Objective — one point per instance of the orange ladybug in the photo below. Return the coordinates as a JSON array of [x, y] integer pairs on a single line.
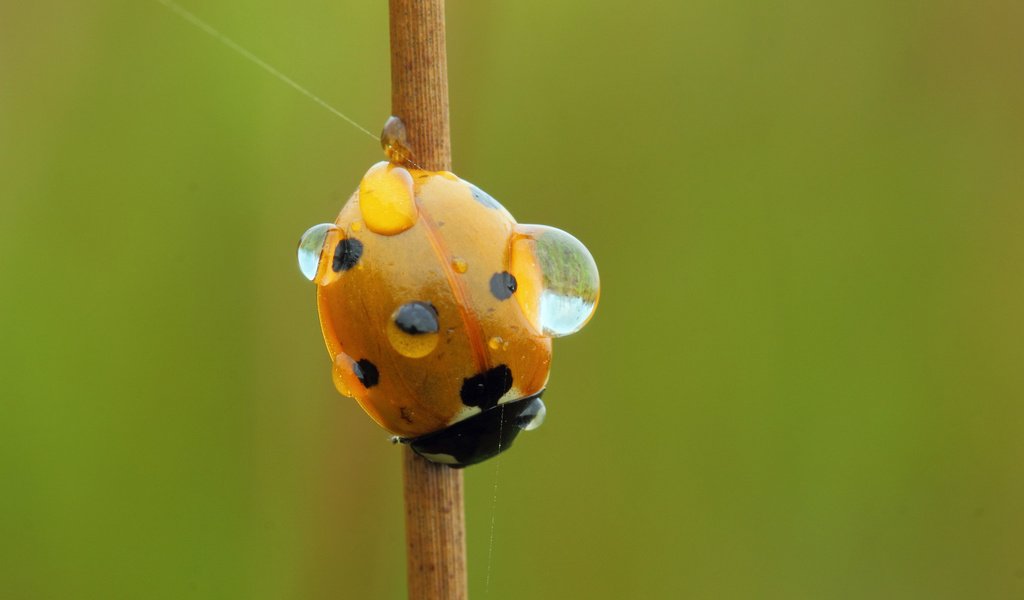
[[438, 309]]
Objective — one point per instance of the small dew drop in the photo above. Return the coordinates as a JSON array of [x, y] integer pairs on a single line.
[[413, 329], [496, 343], [394, 139], [413, 346], [537, 420], [459, 265], [311, 246], [341, 373]]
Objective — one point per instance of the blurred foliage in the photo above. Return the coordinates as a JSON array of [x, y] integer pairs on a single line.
[[804, 379]]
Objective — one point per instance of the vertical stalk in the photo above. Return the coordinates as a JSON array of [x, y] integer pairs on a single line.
[[434, 517], [419, 79]]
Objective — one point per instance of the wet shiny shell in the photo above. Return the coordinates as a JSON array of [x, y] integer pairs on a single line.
[[445, 257]]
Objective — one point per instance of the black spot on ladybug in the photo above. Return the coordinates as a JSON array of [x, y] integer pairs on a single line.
[[503, 285], [367, 373], [417, 317], [347, 254], [485, 389], [484, 198]]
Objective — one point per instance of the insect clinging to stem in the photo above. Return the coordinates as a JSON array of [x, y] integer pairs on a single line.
[[438, 308]]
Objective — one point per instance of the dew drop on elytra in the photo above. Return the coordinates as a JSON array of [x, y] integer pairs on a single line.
[[413, 329], [387, 199], [342, 375], [558, 283], [311, 246]]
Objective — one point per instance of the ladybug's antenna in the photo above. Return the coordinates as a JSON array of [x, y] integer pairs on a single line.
[[230, 43]]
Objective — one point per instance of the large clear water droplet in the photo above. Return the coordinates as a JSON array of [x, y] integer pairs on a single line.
[[386, 199], [558, 283], [311, 246]]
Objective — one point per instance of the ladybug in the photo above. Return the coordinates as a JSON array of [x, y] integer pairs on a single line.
[[438, 309]]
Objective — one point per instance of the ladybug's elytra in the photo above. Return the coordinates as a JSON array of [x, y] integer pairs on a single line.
[[438, 309]]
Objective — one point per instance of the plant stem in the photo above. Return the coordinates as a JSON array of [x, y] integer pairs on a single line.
[[419, 79], [434, 519]]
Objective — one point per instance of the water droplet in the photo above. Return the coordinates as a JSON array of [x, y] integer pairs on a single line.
[[413, 329], [558, 283], [311, 247], [496, 342], [395, 140], [343, 375], [459, 265], [386, 199], [537, 420]]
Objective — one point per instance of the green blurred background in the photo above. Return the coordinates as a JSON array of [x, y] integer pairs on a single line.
[[804, 379]]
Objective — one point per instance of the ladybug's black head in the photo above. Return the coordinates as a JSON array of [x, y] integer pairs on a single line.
[[481, 436]]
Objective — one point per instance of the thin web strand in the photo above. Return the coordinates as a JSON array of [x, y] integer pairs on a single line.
[[494, 504], [214, 33]]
